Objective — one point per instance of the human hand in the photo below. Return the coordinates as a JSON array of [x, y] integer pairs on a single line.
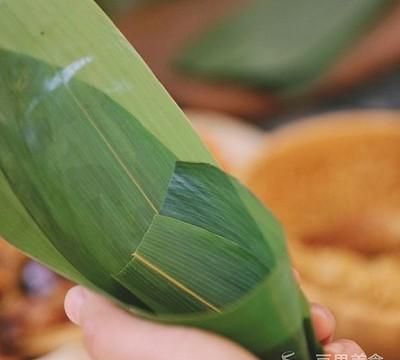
[[111, 333]]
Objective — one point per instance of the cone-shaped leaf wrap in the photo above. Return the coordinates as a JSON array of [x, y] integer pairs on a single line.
[[103, 180]]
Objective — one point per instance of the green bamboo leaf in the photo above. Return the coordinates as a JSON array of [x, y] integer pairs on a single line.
[[19, 225], [280, 44], [95, 41], [201, 205], [103, 179], [44, 150], [198, 277], [202, 195]]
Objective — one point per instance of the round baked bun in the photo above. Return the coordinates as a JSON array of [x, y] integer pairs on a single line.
[[231, 141]]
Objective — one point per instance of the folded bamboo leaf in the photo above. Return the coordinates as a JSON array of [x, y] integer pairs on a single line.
[[191, 284], [202, 195], [103, 180], [280, 44], [201, 205]]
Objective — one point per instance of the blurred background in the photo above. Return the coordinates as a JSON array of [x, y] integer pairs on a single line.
[[299, 100]]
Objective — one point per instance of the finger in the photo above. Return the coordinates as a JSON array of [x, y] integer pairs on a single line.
[[296, 275], [344, 347], [111, 333], [323, 320], [324, 323]]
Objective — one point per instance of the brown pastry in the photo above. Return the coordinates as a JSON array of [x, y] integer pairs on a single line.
[[334, 182], [231, 141]]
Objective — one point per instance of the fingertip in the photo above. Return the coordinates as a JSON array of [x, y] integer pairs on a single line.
[[324, 322], [73, 303], [344, 347], [296, 275]]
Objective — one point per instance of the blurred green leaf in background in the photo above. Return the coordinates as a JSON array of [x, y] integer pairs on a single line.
[[282, 45]]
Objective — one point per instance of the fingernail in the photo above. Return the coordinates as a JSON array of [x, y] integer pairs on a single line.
[[335, 348], [324, 312], [324, 323], [73, 303]]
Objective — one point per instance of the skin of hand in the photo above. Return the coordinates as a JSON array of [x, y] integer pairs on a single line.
[[111, 333]]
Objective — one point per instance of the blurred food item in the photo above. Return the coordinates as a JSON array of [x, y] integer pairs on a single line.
[[334, 182], [53, 338], [159, 31], [370, 234], [231, 141], [363, 293], [10, 263], [32, 319], [73, 351]]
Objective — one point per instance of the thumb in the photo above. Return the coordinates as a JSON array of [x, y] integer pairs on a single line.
[[111, 333], [104, 326]]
